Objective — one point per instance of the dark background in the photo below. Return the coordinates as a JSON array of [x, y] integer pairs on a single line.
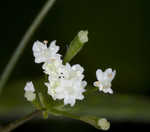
[[118, 38]]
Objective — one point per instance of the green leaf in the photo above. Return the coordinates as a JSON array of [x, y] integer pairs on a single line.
[[116, 107], [76, 45]]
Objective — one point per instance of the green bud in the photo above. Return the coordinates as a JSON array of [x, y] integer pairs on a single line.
[[103, 124], [99, 123], [76, 45]]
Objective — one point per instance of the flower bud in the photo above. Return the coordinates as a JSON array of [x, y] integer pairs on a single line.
[[103, 124], [83, 36], [76, 45]]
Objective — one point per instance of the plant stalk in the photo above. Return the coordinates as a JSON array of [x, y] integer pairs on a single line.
[[19, 122], [23, 43]]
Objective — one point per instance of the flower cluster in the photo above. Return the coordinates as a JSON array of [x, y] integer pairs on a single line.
[[65, 82]]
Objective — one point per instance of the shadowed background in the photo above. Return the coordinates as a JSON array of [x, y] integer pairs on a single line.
[[118, 38]]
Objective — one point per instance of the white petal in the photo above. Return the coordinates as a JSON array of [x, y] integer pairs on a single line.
[[68, 66], [77, 67], [29, 87], [38, 46], [96, 84], [110, 91], [113, 74], [30, 96], [69, 100], [38, 51], [99, 74], [101, 88], [53, 48], [53, 44], [83, 84], [81, 97], [109, 74], [108, 71]]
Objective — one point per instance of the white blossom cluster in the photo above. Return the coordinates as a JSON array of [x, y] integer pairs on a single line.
[[65, 82]]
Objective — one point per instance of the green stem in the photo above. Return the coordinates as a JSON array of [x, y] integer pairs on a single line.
[[87, 119], [19, 122], [17, 54], [66, 114], [91, 90]]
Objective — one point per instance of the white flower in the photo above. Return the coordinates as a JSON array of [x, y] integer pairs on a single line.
[[29, 91], [42, 53], [69, 90], [53, 67], [103, 124], [65, 81], [67, 84], [104, 80], [71, 72]]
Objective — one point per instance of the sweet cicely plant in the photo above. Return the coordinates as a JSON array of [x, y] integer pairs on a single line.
[[65, 84]]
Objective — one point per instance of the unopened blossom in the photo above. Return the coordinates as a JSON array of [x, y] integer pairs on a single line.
[[103, 124], [29, 91], [68, 85], [104, 80], [83, 36], [43, 53]]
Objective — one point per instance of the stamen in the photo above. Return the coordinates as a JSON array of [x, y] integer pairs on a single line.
[[45, 41]]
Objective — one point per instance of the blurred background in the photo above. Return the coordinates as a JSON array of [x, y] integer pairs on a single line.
[[118, 38]]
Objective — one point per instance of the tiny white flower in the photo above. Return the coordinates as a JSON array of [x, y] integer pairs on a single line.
[[104, 80], [72, 72], [67, 84], [29, 91], [42, 53], [52, 85], [53, 67], [103, 124], [69, 90]]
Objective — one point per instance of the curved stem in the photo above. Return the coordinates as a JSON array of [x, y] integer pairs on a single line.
[[19, 122], [16, 55]]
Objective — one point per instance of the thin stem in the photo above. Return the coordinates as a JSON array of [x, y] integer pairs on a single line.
[[19, 50], [91, 89], [19, 122]]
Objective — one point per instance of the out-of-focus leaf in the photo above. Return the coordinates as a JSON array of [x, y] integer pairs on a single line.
[[115, 107]]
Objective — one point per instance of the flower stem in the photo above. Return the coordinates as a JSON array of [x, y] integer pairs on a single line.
[[19, 122], [24, 41], [90, 90]]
